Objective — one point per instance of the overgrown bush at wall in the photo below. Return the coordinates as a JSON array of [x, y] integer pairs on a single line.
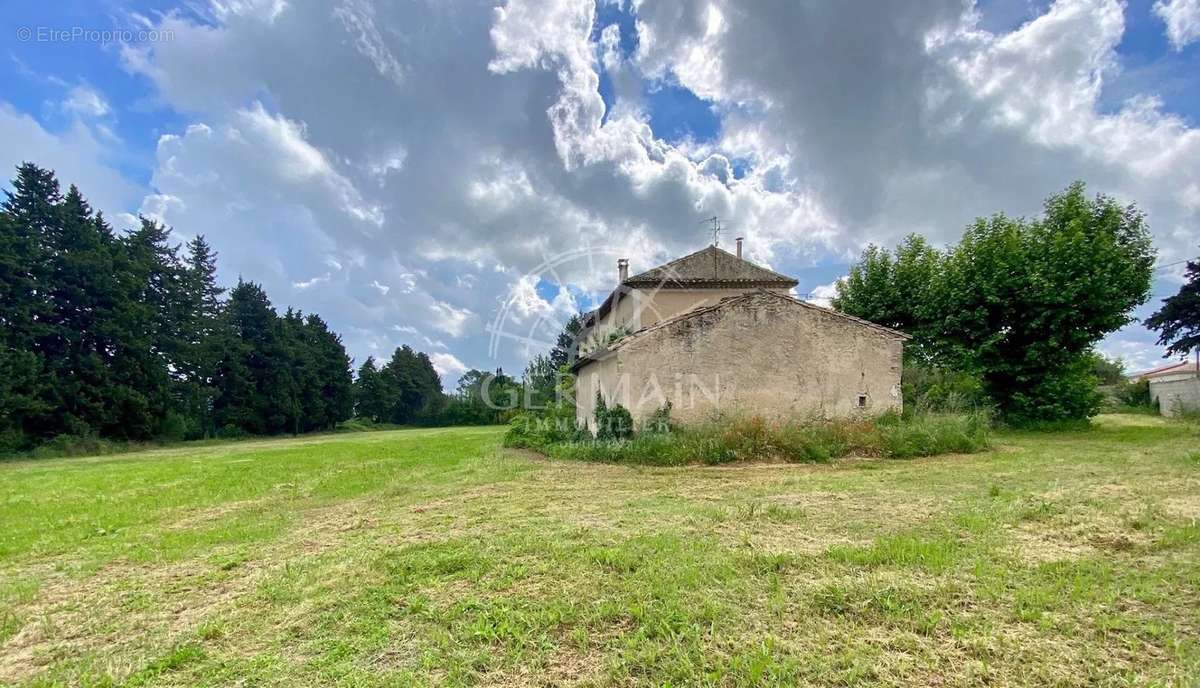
[[753, 438]]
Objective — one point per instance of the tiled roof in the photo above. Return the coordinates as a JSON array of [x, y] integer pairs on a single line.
[[1169, 369], [709, 266]]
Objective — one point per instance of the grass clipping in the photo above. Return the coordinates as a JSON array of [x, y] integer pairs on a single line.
[[754, 438]]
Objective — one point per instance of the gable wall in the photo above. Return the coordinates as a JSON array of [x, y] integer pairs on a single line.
[[763, 355], [665, 304], [1175, 393], [634, 309]]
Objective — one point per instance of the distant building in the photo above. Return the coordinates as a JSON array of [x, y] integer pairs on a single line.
[[1174, 387], [712, 332]]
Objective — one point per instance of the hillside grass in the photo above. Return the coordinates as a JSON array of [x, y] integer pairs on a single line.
[[436, 557]]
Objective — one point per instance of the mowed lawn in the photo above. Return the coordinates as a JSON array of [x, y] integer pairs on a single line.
[[435, 557]]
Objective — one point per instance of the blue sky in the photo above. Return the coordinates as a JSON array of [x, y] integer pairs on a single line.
[[408, 171]]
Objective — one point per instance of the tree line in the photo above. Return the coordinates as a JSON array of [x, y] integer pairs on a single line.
[[487, 397], [1017, 304], [127, 336]]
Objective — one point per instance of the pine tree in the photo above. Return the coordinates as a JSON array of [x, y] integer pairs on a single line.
[[370, 397], [81, 294], [333, 374], [1178, 320], [308, 403], [566, 346], [29, 211], [256, 392], [125, 338], [200, 330], [412, 388], [146, 364]]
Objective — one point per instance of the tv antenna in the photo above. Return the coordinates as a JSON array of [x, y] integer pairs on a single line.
[[715, 228]]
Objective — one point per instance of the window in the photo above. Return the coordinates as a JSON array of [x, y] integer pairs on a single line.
[[862, 401]]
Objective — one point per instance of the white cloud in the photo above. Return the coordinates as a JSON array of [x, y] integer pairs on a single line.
[[86, 101], [1182, 18], [425, 143], [158, 206], [450, 319], [75, 154], [1137, 355], [823, 293], [526, 301], [309, 283], [447, 366]]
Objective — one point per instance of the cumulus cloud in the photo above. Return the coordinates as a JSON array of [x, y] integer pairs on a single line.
[[432, 163], [823, 294], [450, 319], [77, 154], [447, 366], [1182, 18]]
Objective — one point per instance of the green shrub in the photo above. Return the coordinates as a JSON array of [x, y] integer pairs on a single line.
[[76, 445], [177, 427], [926, 435], [753, 438], [232, 432], [1062, 395], [612, 422], [1135, 393], [13, 441], [941, 390], [659, 421]]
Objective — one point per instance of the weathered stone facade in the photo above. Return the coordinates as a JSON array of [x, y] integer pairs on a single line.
[[759, 352]]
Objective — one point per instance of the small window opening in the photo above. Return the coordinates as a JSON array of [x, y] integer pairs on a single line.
[[862, 401]]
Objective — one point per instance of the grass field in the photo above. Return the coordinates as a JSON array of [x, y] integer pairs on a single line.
[[434, 557]]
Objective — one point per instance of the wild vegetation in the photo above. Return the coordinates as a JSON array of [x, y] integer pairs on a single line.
[[434, 557], [737, 437], [754, 438], [1017, 303]]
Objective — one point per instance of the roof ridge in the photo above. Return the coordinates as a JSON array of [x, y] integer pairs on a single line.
[[668, 273]]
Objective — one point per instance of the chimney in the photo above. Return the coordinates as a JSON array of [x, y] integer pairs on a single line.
[[622, 269], [739, 247]]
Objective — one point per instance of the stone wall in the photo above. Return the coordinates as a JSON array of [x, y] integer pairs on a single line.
[[761, 354], [634, 309], [664, 304], [1176, 393]]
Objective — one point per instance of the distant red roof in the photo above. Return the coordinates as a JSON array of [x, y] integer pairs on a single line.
[[1169, 369]]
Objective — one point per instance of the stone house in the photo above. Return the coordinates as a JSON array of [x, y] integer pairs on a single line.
[[714, 333], [1174, 387]]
